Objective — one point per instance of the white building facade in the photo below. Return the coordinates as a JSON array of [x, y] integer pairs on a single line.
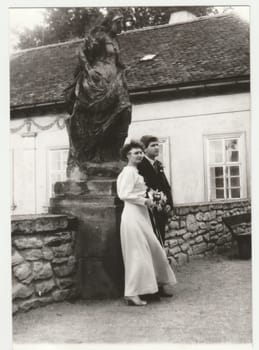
[[205, 148]]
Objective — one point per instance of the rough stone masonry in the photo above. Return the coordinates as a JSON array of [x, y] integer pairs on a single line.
[[198, 230], [44, 267]]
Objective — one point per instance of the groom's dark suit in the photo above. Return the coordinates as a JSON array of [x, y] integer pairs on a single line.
[[155, 178]]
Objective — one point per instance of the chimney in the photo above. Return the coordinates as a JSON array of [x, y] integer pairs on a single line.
[[181, 16]]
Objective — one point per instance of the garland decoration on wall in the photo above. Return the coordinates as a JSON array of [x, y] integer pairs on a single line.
[[60, 121], [15, 130]]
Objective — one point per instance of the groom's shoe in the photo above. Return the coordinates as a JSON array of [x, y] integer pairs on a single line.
[[151, 297], [164, 294]]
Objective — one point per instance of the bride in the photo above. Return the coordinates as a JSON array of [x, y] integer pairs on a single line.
[[145, 261]]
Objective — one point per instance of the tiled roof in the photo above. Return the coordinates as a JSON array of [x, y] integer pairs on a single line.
[[209, 48]]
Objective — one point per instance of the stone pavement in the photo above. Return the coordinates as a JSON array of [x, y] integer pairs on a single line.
[[212, 304]]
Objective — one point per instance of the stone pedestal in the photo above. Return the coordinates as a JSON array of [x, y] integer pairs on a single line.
[[98, 210]]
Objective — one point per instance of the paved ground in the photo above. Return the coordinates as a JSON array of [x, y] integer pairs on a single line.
[[212, 303]]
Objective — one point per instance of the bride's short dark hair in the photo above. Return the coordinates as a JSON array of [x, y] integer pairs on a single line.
[[128, 147]]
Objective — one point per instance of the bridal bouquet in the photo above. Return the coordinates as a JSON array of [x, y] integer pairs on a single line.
[[158, 198]]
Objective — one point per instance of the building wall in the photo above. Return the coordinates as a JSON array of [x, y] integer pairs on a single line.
[[185, 125], [182, 125], [30, 153]]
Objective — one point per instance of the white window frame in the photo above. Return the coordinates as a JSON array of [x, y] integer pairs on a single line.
[[241, 136], [20, 144], [165, 157], [48, 168]]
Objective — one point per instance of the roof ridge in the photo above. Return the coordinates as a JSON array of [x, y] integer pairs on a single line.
[[198, 19], [46, 46]]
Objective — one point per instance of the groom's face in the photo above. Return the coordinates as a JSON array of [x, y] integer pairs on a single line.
[[152, 150]]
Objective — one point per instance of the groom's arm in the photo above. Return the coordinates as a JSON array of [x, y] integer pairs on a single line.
[[168, 192], [146, 170], [166, 188]]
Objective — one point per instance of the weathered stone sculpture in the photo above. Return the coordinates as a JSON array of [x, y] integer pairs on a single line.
[[98, 101], [100, 113]]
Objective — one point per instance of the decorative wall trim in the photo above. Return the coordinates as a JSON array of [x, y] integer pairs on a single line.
[[29, 134], [59, 121]]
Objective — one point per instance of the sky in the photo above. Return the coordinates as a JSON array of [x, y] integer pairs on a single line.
[[21, 18]]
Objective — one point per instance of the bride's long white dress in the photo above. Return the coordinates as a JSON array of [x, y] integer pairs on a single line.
[[145, 261]]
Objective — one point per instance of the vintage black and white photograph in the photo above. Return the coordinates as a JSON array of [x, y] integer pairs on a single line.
[[130, 153]]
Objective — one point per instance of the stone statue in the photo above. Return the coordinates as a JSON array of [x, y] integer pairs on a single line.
[[97, 100]]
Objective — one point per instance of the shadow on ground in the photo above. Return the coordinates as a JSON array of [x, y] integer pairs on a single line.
[[212, 304]]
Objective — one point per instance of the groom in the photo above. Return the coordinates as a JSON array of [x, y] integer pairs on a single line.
[[155, 179]]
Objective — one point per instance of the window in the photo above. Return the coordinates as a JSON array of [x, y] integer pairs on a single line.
[[225, 167], [57, 167], [164, 155]]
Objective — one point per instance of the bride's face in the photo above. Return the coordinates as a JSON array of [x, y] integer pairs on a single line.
[[135, 156]]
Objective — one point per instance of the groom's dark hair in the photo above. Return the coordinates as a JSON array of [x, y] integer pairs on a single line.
[[147, 139]]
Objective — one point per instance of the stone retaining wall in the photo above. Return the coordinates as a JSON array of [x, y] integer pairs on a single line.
[[44, 267], [198, 230]]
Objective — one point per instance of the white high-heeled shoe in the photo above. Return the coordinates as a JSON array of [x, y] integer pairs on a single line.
[[135, 301]]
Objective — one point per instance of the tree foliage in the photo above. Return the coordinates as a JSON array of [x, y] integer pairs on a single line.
[[61, 24]]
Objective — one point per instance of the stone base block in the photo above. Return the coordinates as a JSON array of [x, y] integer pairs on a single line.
[[101, 278], [98, 249]]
